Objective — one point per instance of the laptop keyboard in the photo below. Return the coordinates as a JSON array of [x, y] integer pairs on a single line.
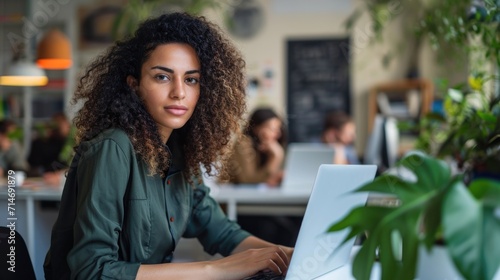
[[265, 276]]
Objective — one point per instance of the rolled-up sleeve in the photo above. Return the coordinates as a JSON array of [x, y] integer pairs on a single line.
[[211, 226], [102, 183]]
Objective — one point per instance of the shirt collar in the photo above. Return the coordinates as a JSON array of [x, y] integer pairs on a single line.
[[175, 149]]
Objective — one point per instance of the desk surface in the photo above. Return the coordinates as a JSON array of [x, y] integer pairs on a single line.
[[35, 188], [257, 194], [225, 193]]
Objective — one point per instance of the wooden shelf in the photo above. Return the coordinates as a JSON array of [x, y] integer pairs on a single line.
[[400, 89]]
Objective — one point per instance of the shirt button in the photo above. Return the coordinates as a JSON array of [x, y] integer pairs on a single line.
[[172, 219]]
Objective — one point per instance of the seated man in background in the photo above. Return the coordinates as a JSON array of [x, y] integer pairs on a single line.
[[51, 153], [339, 131], [11, 153]]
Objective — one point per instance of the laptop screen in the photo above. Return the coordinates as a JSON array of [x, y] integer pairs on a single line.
[[331, 199]]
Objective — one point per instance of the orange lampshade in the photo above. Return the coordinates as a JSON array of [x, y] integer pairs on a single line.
[[54, 51]]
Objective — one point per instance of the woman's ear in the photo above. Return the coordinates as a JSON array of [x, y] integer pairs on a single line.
[[133, 84]]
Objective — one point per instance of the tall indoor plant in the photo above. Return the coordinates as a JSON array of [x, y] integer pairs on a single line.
[[468, 130], [435, 205], [136, 11]]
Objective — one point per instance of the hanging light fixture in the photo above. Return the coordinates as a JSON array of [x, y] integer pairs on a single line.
[[21, 72], [54, 51]]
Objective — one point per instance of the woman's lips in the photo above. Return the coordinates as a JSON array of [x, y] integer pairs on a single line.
[[176, 110]]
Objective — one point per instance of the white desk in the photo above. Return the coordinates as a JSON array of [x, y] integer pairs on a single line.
[[33, 224], [264, 198], [37, 190]]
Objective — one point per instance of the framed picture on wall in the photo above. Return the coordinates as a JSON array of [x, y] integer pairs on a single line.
[[95, 23]]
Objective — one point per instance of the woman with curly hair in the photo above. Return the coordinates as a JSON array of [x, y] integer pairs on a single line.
[[155, 107]]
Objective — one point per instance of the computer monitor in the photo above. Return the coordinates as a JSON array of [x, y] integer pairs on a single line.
[[383, 143]]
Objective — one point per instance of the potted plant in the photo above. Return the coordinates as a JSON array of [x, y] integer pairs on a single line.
[[468, 130], [435, 205]]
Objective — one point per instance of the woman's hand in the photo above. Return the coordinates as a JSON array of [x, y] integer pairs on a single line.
[[248, 258], [275, 179], [249, 262], [272, 148]]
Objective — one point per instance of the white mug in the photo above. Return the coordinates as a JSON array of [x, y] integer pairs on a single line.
[[19, 177]]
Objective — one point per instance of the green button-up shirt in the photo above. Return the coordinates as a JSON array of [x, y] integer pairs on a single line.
[[114, 216]]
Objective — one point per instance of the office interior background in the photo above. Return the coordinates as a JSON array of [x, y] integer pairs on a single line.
[[262, 29], [261, 34]]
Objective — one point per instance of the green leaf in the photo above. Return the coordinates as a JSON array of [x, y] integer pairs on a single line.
[[388, 261], [352, 19], [456, 95], [487, 190], [410, 243], [432, 220], [363, 261], [487, 117], [390, 184], [463, 222], [361, 219], [431, 172]]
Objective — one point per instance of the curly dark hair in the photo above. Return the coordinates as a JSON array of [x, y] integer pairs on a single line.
[[109, 102]]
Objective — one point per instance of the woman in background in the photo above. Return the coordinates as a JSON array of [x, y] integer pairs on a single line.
[[155, 107], [258, 156]]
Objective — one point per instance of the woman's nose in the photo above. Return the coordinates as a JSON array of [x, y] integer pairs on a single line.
[[177, 91]]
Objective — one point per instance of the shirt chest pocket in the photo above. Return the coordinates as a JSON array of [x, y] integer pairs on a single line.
[[146, 233]]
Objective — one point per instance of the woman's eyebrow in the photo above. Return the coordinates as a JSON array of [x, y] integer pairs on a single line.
[[166, 69]]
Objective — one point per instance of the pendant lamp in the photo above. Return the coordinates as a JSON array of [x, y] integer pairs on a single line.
[[54, 51], [23, 73]]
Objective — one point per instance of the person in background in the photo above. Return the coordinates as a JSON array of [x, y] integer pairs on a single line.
[[11, 153], [48, 151], [51, 152], [258, 156], [155, 107], [339, 131]]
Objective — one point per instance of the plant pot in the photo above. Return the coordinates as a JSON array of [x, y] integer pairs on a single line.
[[436, 265]]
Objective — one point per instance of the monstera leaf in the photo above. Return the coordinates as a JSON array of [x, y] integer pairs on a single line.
[[471, 227]]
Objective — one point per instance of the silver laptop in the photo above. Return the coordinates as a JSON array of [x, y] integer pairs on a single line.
[[317, 252], [302, 163]]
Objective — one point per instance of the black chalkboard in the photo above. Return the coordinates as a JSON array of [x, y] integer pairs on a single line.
[[317, 83]]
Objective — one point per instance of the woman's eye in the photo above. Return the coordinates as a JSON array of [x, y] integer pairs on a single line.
[[192, 81], [162, 77]]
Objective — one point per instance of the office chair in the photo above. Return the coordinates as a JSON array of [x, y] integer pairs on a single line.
[[20, 262]]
